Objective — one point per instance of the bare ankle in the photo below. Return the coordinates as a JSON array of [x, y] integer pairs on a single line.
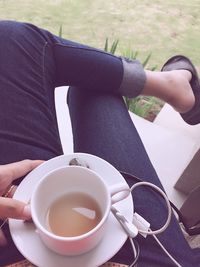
[[172, 87], [181, 96]]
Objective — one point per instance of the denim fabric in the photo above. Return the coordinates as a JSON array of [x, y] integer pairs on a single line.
[[102, 126], [134, 78], [32, 63]]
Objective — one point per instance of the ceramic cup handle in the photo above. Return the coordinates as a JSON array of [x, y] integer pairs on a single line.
[[119, 192]]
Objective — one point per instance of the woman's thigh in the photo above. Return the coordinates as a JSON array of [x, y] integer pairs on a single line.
[[102, 126], [28, 127]]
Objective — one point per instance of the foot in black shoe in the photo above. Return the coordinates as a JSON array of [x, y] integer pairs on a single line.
[[179, 62]]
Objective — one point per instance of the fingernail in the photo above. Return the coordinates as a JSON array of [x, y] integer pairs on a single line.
[[27, 212]]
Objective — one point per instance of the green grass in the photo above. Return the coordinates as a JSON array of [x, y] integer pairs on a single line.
[[162, 27]]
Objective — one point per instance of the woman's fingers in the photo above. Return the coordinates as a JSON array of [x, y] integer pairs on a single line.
[[12, 171], [18, 169], [12, 208]]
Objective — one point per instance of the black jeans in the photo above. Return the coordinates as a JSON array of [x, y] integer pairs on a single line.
[[32, 63]]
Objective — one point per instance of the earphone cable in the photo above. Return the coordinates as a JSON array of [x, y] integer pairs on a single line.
[[155, 188]]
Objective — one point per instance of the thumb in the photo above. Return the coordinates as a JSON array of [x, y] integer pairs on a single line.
[[12, 208]]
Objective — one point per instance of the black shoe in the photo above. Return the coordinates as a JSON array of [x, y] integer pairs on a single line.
[[181, 62]]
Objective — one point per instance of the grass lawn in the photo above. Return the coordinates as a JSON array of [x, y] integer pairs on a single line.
[[163, 28]]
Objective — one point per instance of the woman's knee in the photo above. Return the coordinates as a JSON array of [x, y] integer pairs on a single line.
[[11, 29], [19, 33]]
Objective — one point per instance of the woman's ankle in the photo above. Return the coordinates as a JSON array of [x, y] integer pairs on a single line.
[[172, 87], [178, 83]]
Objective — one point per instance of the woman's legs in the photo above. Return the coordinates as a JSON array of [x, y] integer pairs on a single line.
[[33, 62], [100, 71], [101, 126], [86, 67]]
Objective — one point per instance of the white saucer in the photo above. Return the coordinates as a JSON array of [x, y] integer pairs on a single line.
[[27, 240]]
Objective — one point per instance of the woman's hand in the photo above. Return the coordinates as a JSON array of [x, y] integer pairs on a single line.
[[13, 171], [11, 208]]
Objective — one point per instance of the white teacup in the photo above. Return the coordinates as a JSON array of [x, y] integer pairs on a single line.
[[63, 182]]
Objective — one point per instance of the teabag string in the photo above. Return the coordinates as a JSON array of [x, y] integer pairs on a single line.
[[139, 225]]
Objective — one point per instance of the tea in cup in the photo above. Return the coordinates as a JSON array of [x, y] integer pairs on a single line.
[[70, 207]]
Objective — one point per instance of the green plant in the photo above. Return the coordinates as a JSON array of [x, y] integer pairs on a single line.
[[145, 106], [60, 33], [113, 47]]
